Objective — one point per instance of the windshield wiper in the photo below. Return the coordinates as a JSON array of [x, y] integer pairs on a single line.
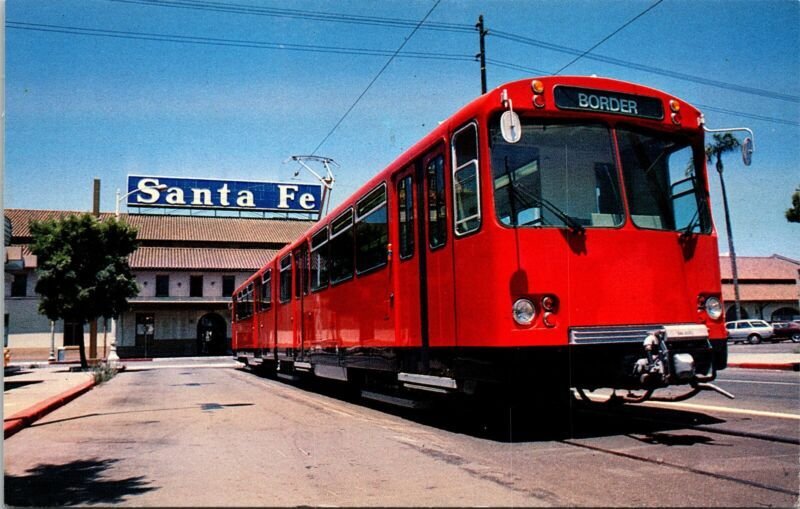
[[568, 220], [688, 232]]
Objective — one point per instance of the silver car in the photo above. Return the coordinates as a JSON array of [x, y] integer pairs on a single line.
[[749, 331]]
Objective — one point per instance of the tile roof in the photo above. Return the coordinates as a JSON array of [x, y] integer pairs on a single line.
[[186, 258], [182, 228], [760, 267]]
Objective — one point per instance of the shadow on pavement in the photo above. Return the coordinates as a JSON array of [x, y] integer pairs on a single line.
[[75, 483], [13, 384]]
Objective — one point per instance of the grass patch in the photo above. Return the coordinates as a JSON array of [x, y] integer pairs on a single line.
[[103, 372]]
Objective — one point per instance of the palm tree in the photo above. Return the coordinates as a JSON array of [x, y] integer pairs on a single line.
[[722, 144]]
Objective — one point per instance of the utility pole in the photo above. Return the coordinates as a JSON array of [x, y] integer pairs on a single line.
[[482, 55], [93, 323]]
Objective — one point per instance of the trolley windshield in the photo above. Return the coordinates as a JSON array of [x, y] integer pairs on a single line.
[[566, 175]]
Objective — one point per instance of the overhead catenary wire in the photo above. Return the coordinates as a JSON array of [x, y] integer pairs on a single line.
[[214, 41], [609, 36], [235, 8], [736, 87], [81, 31], [385, 66], [463, 28]]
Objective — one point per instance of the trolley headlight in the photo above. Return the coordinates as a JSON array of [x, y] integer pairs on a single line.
[[713, 308], [523, 311]]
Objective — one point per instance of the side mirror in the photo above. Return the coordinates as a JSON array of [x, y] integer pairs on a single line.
[[747, 151], [510, 127]]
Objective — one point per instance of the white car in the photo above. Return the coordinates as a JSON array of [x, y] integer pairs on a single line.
[[749, 331]]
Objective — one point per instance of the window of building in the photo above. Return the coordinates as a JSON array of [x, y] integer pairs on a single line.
[[162, 285], [372, 230], [73, 333], [195, 286], [320, 252], [228, 285], [405, 205], [286, 279], [266, 290], [437, 208], [19, 287], [341, 245], [466, 194]]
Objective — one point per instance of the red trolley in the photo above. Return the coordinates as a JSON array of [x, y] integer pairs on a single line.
[[554, 233]]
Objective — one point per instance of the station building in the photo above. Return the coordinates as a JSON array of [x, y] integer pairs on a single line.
[[769, 287], [186, 267]]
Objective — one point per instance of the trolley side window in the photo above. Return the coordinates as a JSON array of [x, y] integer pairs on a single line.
[[341, 246], [437, 208], [372, 230], [405, 206], [320, 254], [266, 290], [466, 193], [285, 279], [301, 273]]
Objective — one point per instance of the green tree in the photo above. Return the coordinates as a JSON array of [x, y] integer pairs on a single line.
[[793, 212], [82, 268], [724, 143]]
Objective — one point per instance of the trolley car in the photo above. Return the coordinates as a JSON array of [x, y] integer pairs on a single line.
[[554, 233]]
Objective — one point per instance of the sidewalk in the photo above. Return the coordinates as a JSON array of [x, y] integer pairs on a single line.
[[30, 394], [782, 361]]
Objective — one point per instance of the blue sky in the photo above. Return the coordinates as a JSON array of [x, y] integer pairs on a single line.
[[80, 107]]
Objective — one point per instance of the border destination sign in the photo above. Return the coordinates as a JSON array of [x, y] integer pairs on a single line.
[[195, 193]]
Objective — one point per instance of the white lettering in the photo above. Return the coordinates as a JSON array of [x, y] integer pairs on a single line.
[[583, 100], [175, 196], [285, 195], [201, 197], [604, 103], [223, 195], [632, 107], [147, 187], [613, 104], [594, 102], [307, 201], [245, 199]]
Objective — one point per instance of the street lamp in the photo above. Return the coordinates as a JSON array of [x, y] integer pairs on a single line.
[[113, 358]]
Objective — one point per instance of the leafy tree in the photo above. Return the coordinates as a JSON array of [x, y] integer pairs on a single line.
[[83, 268], [723, 143], [793, 212]]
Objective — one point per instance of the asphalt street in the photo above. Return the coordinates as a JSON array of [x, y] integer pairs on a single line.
[[194, 436]]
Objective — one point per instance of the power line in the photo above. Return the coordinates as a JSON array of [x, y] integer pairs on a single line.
[[375, 78], [609, 36], [461, 28], [737, 87], [748, 115], [213, 41], [300, 14]]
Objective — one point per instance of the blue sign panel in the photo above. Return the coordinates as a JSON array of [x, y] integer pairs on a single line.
[[182, 192]]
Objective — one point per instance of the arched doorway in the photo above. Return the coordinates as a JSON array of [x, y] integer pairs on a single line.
[[211, 335], [784, 314], [731, 314]]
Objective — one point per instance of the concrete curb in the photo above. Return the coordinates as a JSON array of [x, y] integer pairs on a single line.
[[25, 418], [782, 366]]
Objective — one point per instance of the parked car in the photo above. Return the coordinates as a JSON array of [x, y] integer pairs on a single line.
[[786, 330], [749, 331]]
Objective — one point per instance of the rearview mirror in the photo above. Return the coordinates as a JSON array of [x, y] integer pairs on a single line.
[[747, 151]]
